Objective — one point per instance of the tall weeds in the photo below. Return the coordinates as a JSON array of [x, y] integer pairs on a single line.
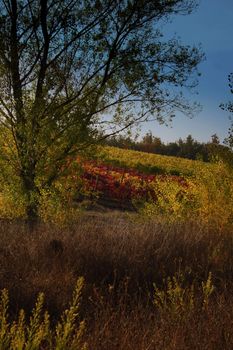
[[129, 301], [37, 333]]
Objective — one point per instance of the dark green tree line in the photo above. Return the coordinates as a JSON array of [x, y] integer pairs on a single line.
[[190, 148]]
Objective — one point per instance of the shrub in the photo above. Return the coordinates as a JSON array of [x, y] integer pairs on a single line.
[[214, 196], [175, 200], [207, 197], [38, 333], [179, 300]]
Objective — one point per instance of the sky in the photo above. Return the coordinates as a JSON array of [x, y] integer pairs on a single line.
[[211, 25]]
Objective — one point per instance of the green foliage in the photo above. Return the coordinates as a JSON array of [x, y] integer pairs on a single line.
[[68, 336], [65, 83], [178, 299], [188, 148], [214, 196], [207, 198], [12, 197], [38, 328], [38, 333], [207, 289], [174, 298], [174, 201], [57, 208]]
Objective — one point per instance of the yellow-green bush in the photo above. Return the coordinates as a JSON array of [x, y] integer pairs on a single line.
[[208, 198], [12, 201], [175, 201], [214, 196], [178, 299], [55, 204], [56, 208], [38, 333]]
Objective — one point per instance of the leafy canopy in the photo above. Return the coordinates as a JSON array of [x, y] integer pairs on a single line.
[[72, 72]]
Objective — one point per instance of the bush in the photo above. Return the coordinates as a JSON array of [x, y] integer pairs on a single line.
[[38, 333], [207, 197]]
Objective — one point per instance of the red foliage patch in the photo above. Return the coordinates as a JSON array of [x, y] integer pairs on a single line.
[[121, 185]]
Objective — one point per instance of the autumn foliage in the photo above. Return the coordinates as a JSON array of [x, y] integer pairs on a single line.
[[124, 186]]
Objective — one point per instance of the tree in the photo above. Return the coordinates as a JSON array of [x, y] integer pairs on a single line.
[[215, 139], [72, 71], [229, 108], [150, 144]]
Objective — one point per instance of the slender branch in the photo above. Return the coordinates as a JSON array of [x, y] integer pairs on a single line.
[[14, 53], [82, 32], [43, 65]]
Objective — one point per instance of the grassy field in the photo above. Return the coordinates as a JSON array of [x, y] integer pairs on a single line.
[[158, 278], [122, 261], [153, 163]]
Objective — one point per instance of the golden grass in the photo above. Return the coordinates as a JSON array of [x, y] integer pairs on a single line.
[[122, 258], [153, 163]]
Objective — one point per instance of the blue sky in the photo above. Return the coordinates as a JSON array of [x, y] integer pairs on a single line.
[[212, 26]]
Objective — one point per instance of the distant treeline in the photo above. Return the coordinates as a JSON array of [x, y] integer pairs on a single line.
[[185, 148]]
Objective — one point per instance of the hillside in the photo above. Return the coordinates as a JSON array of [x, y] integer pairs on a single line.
[[158, 278], [155, 185], [152, 163]]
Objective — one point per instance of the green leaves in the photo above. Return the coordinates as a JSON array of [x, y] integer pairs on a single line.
[[69, 67]]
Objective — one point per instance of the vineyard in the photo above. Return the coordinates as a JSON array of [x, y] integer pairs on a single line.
[[122, 187], [149, 184], [154, 185], [152, 163], [125, 179]]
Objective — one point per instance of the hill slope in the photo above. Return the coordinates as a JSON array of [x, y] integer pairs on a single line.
[[152, 163]]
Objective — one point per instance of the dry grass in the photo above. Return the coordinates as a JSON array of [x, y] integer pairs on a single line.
[[142, 329], [120, 258]]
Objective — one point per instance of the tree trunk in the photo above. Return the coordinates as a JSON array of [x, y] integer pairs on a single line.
[[32, 195]]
